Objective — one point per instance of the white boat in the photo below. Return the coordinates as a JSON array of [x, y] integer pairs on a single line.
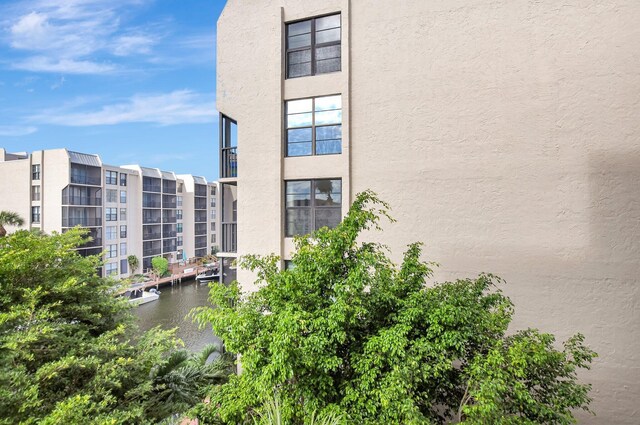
[[137, 295], [211, 274]]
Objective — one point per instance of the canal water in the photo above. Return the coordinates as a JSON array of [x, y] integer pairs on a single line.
[[170, 312]]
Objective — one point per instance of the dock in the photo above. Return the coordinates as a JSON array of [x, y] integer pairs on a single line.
[[178, 274]]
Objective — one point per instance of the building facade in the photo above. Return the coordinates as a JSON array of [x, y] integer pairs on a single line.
[[504, 135], [129, 210]]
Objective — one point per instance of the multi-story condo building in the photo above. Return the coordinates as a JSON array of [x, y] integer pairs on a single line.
[[128, 210], [504, 135]]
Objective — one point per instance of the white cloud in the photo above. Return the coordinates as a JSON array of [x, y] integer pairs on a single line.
[[66, 66], [16, 131], [132, 44], [177, 107]]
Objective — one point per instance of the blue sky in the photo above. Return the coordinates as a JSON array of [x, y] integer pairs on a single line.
[[130, 80]]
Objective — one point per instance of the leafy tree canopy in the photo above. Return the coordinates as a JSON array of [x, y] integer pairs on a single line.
[[69, 351], [160, 266], [348, 332]]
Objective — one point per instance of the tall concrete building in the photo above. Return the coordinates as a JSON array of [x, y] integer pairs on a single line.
[[505, 135], [128, 210]]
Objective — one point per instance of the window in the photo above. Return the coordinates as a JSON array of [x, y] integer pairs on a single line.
[[179, 227], [123, 179], [112, 251], [123, 231], [111, 233], [312, 204], [178, 201], [288, 265], [111, 214], [213, 191], [124, 266], [35, 172], [111, 269], [213, 238], [111, 177], [179, 243], [178, 214], [313, 46], [35, 193], [123, 249], [123, 196], [35, 214], [112, 195], [314, 126], [213, 214], [213, 227], [123, 214]]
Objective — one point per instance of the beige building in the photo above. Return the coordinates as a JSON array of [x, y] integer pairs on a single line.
[[129, 210], [505, 135]]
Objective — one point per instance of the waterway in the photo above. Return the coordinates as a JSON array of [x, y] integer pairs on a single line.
[[170, 312]]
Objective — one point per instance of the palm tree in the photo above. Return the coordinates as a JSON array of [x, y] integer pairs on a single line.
[[183, 379], [11, 219]]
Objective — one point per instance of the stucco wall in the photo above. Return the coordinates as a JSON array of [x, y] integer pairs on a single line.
[[504, 134]]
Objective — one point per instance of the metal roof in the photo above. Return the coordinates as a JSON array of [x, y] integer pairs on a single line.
[[85, 159], [151, 172], [168, 175], [199, 180]]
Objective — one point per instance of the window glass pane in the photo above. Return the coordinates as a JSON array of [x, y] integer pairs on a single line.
[[298, 187], [299, 106], [328, 65], [298, 41], [325, 22], [328, 193], [328, 52], [329, 117], [301, 70], [299, 135], [329, 140], [299, 149], [301, 56], [327, 103], [299, 27], [298, 221], [329, 217], [328, 36], [299, 120], [328, 147]]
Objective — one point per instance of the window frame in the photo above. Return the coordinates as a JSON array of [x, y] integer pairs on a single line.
[[109, 178], [123, 196], [123, 231], [111, 251], [123, 214], [312, 47], [35, 171], [109, 214], [312, 207], [35, 214], [313, 126], [111, 233], [35, 193], [123, 179]]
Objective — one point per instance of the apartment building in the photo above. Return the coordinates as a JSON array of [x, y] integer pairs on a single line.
[[129, 210], [504, 135]]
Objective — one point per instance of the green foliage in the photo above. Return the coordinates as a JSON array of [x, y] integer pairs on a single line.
[[9, 218], [348, 332], [69, 352], [160, 266], [271, 414], [134, 263]]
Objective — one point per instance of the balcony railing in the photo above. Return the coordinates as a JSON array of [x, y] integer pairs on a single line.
[[151, 188], [169, 248], [86, 222], [229, 237], [200, 203], [151, 204], [93, 181], [93, 243], [168, 204], [169, 219], [151, 236], [169, 234], [151, 220], [81, 200], [229, 162], [151, 251]]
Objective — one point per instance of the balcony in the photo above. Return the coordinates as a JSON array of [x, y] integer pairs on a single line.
[[169, 234], [81, 200], [169, 248], [166, 218], [151, 251], [229, 162], [200, 203], [85, 222], [149, 219], [96, 242], [200, 217], [86, 180], [151, 188], [229, 237]]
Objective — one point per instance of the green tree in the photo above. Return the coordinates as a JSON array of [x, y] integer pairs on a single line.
[[11, 219], [134, 263], [160, 266], [69, 351], [346, 331]]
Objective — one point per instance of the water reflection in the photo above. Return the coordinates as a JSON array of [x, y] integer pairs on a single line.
[[171, 309]]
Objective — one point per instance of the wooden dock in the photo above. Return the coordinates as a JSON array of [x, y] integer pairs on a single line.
[[178, 274]]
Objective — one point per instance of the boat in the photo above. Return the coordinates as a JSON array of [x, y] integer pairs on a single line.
[[137, 295], [211, 274]]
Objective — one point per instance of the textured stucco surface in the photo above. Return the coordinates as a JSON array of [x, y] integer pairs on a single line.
[[504, 134]]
